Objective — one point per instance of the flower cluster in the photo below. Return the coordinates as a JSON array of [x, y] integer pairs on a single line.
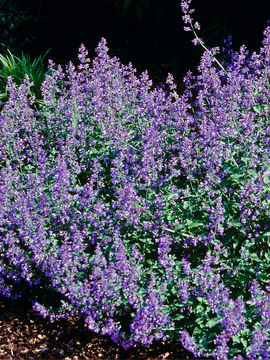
[[138, 210]]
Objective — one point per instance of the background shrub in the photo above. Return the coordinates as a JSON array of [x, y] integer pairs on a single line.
[[11, 65], [12, 17]]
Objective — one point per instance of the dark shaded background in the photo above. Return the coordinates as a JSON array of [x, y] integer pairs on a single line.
[[156, 41]]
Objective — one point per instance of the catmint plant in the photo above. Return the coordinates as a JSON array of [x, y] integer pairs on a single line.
[[139, 210]]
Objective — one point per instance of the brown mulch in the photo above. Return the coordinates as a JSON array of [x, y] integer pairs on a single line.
[[24, 334]]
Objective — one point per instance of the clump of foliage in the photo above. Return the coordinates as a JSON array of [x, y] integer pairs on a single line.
[[142, 212], [11, 65]]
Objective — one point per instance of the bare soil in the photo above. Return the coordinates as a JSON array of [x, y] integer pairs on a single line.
[[24, 334]]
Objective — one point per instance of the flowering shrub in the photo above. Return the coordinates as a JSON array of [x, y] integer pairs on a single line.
[[141, 212]]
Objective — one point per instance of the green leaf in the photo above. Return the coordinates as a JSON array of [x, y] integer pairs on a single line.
[[212, 322], [236, 224], [245, 159], [199, 309], [186, 205], [179, 317], [194, 223], [257, 109], [266, 178], [236, 338], [179, 227], [202, 300], [254, 256], [171, 196], [244, 342]]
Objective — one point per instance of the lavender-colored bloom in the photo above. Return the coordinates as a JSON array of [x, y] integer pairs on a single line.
[[183, 290], [259, 345], [222, 350], [149, 319], [188, 344]]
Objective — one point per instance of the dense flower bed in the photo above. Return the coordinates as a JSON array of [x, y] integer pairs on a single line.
[[142, 213]]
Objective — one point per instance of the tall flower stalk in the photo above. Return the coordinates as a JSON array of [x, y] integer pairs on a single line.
[[187, 18]]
